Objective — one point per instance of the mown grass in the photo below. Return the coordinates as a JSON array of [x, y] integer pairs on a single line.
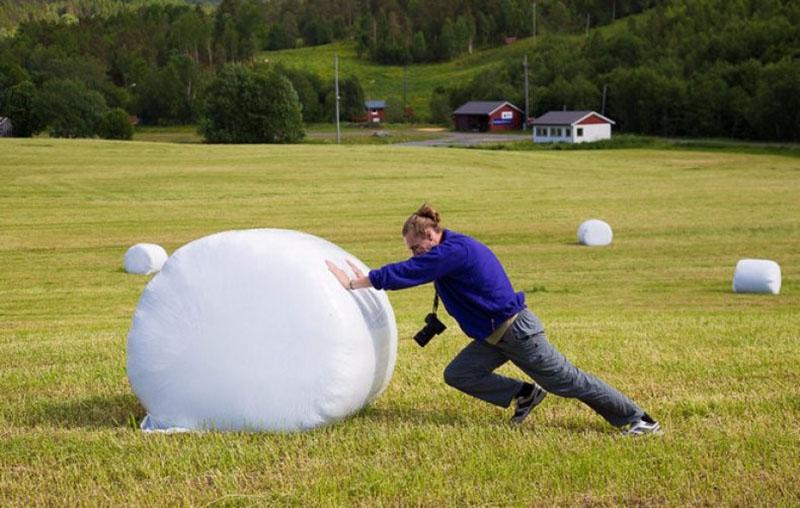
[[653, 314], [630, 141], [321, 133]]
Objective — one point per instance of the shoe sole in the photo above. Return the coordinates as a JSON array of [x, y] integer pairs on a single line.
[[655, 431], [518, 419]]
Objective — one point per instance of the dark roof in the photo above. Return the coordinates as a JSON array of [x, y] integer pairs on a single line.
[[375, 104], [567, 117], [482, 107]]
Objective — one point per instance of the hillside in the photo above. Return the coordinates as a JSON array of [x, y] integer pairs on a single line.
[[14, 12], [386, 81], [687, 68]]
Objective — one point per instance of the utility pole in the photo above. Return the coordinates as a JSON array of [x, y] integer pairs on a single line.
[[605, 89], [525, 123], [613, 10], [534, 20], [405, 88], [336, 80], [587, 25]]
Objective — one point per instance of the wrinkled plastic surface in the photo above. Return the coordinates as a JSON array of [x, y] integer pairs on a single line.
[[757, 276], [145, 258], [248, 330], [594, 233]]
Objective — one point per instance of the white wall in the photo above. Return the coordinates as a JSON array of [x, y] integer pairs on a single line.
[[549, 136], [591, 132]]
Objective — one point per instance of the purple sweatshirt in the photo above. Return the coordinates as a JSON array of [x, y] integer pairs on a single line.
[[470, 280]]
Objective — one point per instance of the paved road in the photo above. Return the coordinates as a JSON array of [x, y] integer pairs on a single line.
[[468, 139]]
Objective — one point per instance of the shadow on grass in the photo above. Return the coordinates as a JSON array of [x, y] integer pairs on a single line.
[[394, 415], [535, 423], [94, 413]]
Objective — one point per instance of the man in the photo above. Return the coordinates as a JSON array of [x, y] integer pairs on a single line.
[[476, 291]]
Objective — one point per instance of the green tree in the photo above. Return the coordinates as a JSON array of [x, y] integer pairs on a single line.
[[419, 48], [20, 108], [69, 109], [446, 44], [776, 105], [309, 90], [245, 106], [352, 99], [439, 103], [115, 125]]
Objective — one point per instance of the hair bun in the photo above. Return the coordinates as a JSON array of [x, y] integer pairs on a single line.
[[427, 211]]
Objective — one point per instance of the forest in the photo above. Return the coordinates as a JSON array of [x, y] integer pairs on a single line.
[[672, 68]]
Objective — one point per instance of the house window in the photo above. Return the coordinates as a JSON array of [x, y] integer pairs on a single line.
[[566, 131], [580, 132]]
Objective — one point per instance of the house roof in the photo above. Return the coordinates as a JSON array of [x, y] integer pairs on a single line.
[[482, 107], [375, 104], [567, 117]]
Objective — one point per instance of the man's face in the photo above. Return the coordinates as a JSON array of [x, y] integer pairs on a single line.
[[419, 245]]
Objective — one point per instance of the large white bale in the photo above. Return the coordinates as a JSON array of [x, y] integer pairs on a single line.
[[145, 258], [248, 330], [757, 276], [595, 232]]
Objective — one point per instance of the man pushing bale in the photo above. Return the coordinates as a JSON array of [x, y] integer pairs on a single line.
[[476, 291]]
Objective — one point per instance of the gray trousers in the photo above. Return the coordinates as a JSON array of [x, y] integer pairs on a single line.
[[527, 347]]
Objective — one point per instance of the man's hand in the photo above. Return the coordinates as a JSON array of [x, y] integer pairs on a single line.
[[341, 276], [360, 281], [356, 270]]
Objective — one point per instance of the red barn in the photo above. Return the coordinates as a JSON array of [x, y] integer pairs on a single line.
[[375, 111], [492, 116]]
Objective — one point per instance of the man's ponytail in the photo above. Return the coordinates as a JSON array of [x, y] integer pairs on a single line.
[[423, 219]]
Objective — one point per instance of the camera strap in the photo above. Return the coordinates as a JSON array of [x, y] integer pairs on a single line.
[[435, 301]]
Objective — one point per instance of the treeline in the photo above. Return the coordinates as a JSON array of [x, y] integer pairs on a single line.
[[409, 31], [685, 68], [159, 63], [400, 32], [14, 12], [690, 68]]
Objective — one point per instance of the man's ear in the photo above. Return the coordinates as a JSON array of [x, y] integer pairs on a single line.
[[429, 234]]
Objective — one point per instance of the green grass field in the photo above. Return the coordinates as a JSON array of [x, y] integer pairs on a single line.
[[320, 133], [653, 314]]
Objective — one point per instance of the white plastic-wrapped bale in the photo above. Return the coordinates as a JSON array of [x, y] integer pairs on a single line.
[[145, 258], [594, 232], [249, 330], [757, 276]]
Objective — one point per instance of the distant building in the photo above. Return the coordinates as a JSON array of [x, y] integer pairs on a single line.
[[6, 129], [571, 127], [491, 116], [376, 111]]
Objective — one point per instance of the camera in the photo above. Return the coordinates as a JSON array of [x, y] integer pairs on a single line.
[[432, 327]]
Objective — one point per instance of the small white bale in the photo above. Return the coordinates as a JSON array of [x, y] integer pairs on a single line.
[[595, 232], [145, 258], [757, 276], [249, 330]]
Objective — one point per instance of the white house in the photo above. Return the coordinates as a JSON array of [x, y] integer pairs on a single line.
[[5, 127], [571, 127]]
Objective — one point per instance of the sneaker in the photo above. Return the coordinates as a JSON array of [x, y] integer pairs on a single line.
[[526, 404], [644, 426]]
